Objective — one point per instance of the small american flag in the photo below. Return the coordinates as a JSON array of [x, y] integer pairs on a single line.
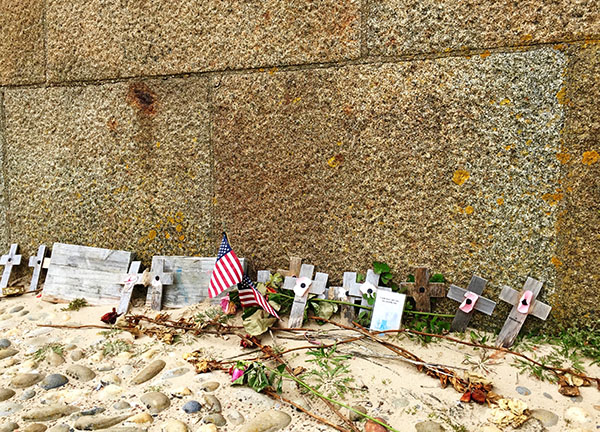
[[228, 270], [250, 296]]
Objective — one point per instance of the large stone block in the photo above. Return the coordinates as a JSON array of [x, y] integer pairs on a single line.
[[450, 162], [3, 200], [103, 39], [578, 255], [401, 27], [21, 41], [122, 165]]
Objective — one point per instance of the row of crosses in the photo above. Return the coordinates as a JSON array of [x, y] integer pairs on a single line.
[[299, 278], [154, 280]]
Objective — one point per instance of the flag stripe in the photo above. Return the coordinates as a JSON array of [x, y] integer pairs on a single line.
[[227, 271]]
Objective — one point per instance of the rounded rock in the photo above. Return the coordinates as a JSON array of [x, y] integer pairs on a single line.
[[155, 401], [216, 419], [149, 372], [35, 427], [7, 352], [76, 354], [371, 426], [212, 403], [53, 381], [212, 428], [54, 359], [191, 407], [523, 391], [354, 416], [210, 386], [121, 405], [26, 380], [235, 417], [9, 408], [141, 418], [93, 411], [27, 394], [16, 309], [6, 394], [4, 343], [548, 418], [175, 373], [175, 426], [81, 373], [271, 420], [9, 427], [60, 428], [427, 426]]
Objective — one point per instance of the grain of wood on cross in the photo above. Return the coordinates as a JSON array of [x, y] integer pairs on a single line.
[[9, 261], [129, 281], [471, 301], [303, 286], [39, 262], [158, 278], [524, 304], [421, 290], [294, 270]]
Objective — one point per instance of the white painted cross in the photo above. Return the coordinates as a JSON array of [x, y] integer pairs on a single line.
[[38, 262], [302, 287], [158, 278], [524, 304], [8, 261], [129, 281], [470, 300]]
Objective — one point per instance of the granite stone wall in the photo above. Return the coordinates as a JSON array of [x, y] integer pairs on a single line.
[[456, 133]]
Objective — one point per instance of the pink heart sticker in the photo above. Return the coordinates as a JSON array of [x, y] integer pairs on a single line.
[[525, 302], [469, 302]]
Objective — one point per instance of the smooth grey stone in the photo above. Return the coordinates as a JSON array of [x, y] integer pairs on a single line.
[[121, 405], [354, 416], [52, 412], [4, 343], [271, 421], [26, 380], [80, 372], [175, 373], [9, 408], [429, 426], [548, 418], [235, 417], [93, 411], [16, 309], [213, 404], [105, 367], [7, 352], [523, 391], [23, 313], [191, 407], [175, 426], [210, 386], [54, 381], [216, 419], [6, 394], [9, 427], [28, 394], [149, 372], [76, 354], [99, 422], [547, 395], [155, 401], [576, 399]]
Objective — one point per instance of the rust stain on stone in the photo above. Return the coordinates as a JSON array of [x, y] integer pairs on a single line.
[[141, 97]]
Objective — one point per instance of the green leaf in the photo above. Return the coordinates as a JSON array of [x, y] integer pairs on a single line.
[[325, 309], [360, 277], [258, 323], [386, 277], [437, 277], [410, 278], [380, 267]]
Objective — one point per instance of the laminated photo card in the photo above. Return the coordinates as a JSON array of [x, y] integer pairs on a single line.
[[387, 311]]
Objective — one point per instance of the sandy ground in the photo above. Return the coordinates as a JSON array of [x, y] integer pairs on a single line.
[[393, 389]]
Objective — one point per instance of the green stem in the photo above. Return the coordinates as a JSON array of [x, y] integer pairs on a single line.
[[429, 313], [315, 392]]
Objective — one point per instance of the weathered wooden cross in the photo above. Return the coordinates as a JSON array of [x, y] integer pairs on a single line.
[[352, 291], [38, 262], [129, 281], [303, 285], [421, 290], [158, 278], [8, 261], [295, 266], [470, 301], [524, 304]]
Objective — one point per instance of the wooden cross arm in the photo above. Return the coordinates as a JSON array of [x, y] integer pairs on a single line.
[[482, 305], [538, 309], [436, 289]]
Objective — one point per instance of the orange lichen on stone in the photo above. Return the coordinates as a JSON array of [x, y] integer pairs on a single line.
[[552, 198], [556, 261], [526, 37], [505, 101], [485, 54], [561, 96], [178, 228], [563, 157], [152, 234], [335, 161], [500, 201], [590, 157], [469, 210], [460, 176]]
